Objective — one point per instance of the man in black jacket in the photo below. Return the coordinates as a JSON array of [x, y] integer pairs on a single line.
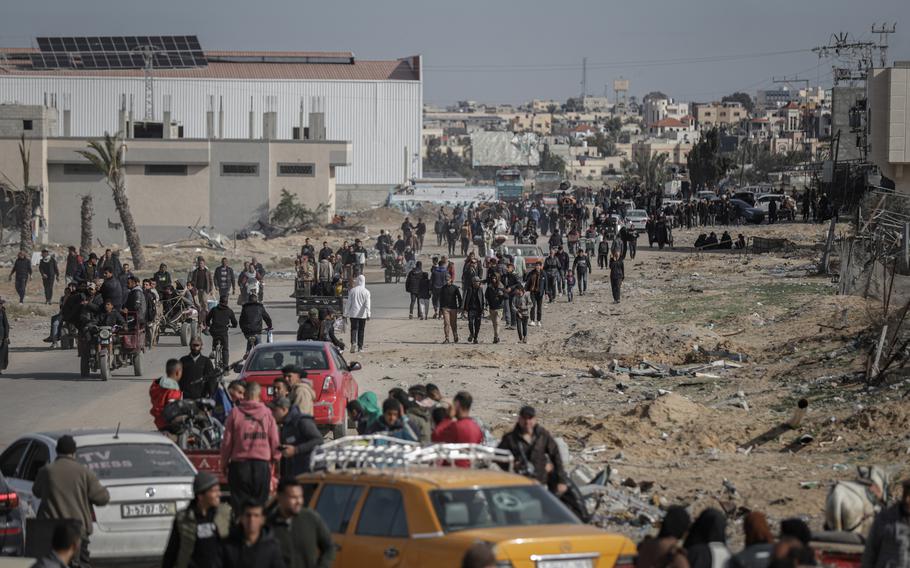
[[417, 284], [509, 282], [496, 297], [50, 274], [22, 270], [250, 545], [218, 320], [72, 264], [162, 278], [551, 268], [536, 453], [304, 538], [111, 289], [473, 306], [298, 435], [311, 328], [252, 316], [224, 280], [199, 379], [450, 303]]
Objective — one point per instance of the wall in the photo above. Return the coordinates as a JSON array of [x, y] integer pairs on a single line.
[[889, 124], [842, 98], [311, 191], [238, 201], [380, 118]]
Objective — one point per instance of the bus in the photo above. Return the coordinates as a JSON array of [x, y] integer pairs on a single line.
[[509, 185]]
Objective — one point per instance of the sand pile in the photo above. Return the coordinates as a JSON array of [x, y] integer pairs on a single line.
[[670, 344]]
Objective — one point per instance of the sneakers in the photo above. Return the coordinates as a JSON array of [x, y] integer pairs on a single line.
[[48, 339], [475, 341], [353, 349]]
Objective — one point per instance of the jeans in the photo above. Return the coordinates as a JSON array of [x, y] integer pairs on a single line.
[[450, 322], [508, 311], [357, 328], [465, 245], [252, 340], [521, 324], [561, 281], [552, 277], [436, 299], [536, 306], [582, 281], [494, 319], [55, 327], [414, 300], [603, 260], [633, 246], [474, 319], [423, 307], [21, 284]]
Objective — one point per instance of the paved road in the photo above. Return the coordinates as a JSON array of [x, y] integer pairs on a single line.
[[42, 389]]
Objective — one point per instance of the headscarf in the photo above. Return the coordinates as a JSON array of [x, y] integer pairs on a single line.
[[710, 526], [676, 522], [755, 528]]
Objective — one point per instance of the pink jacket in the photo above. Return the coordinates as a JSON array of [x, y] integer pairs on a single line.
[[250, 434]]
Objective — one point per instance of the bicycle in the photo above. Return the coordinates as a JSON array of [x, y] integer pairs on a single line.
[[217, 355]]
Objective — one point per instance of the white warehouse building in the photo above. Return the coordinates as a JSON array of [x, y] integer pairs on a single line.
[[374, 105]]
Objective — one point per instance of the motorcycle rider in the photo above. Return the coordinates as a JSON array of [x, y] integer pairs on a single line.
[[328, 329], [219, 319], [109, 317], [252, 315], [199, 378], [111, 289], [311, 328], [165, 390]]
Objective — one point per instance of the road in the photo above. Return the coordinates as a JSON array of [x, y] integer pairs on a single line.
[[42, 389]]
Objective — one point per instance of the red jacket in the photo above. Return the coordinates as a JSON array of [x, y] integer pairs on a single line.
[[160, 396], [250, 434]]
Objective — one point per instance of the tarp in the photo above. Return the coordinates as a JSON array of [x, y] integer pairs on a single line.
[[504, 149]]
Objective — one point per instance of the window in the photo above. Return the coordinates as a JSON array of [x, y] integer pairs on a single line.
[[239, 169], [465, 509], [124, 461], [165, 169], [38, 457], [383, 514], [28, 125], [310, 357], [9, 462], [300, 170], [80, 170], [336, 505]]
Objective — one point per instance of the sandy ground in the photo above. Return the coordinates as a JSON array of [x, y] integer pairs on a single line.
[[676, 437]]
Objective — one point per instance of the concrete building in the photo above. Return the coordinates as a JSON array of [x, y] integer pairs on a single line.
[[722, 115], [842, 100], [774, 98], [538, 123], [889, 123], [374, 104], [657, 106], [172, 184]]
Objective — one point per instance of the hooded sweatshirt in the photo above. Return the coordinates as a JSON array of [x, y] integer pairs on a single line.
[[359, 299], [250, 434], [162, 391]]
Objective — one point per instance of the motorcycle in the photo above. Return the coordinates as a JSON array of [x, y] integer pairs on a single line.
[[193, 423], [394, 269], [107, 348]]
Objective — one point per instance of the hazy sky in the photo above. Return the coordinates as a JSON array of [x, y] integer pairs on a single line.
[[507, 50]]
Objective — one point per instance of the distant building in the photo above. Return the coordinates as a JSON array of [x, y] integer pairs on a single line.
[[172, 184], [773, 98], [721, 115], [657, 106], [889, 124]]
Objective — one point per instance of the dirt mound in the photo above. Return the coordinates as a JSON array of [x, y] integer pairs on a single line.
[[671, 343], [885, 419], [668, 411], [378, 217]]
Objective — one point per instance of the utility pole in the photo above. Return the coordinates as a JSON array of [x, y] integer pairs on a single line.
[[584, 78], [148, 53], [883, 32]]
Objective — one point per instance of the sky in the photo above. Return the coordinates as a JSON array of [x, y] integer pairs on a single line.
[[509, 51]]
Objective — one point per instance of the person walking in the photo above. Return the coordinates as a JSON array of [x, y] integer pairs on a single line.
[[582, 267], [570, 285], [199, 378], [22, 270], [218, 321], [250, 545], [223, 278], [450, 303], [496, 297], [473, 307], [535, 451], [617, 275], [521, 302], [68, 490], [439, 276], [249, 447], [298, 437], [536, 284], [412, 286], [304, 539], [358, 311], [50, 274], [201, 278], [4, 337], [887, 543], [199, 530], [551, 267], [73, 262]]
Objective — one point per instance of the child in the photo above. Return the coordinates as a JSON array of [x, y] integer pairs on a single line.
[[570, 284], [522, 304]]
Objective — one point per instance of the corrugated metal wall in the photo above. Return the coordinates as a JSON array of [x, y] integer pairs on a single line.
[[380, 118]]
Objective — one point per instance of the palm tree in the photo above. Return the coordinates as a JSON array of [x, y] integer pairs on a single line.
[[86, 214], [22, 198], [107, 156]]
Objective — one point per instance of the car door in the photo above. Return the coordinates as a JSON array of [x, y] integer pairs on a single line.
[[380, 536], [38, 456], [11, 462], [336, 503]]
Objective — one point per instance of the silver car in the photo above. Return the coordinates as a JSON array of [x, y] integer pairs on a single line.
[[147, 475]]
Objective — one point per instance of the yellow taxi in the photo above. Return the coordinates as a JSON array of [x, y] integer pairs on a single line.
[[428, 516]]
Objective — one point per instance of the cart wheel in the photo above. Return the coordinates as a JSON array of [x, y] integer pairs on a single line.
[[186, 331], [84, 367], [137, 363], [339, 431], [104, 365]]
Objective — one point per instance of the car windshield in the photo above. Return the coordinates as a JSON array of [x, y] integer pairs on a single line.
[[464, 509], [126, 461], [310, 357], [636, 213], [526, 251]]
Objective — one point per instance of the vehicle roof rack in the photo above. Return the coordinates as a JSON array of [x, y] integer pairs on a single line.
[[380, 451]]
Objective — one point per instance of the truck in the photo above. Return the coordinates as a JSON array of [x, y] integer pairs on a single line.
[[509, 185], [547, 182]]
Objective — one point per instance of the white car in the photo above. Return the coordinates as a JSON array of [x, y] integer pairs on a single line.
[[762, 201], [147, 475], [638, 218]]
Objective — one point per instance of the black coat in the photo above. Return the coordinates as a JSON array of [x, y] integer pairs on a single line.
[[298, 430], [199, 379], [450, 297], [264, 554], [473, 299], [252, 316], [220, 318], [111, 290], [22, 268], [135, 302], [495, 296], [48, 269], [531, 459]]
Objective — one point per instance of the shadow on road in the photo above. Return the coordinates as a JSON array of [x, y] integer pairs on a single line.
[[50, 377]]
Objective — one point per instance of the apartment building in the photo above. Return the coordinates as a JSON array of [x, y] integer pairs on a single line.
[[719, 114], [889, 123]]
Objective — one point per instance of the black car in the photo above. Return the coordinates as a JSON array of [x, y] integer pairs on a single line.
[[747, 212], [12, 537]]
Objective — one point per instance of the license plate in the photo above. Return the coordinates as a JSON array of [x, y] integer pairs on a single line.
[[133, 510], [578, 563]]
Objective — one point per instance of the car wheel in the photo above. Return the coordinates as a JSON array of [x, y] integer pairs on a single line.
[[339, 431]]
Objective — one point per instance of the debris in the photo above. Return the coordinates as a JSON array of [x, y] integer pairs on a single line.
[[596, 372], [808, 484]]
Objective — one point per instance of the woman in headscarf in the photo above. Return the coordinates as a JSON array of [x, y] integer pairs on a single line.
[[247, 281], [358, 311], [706, 545], [759, 543], [665, 550]]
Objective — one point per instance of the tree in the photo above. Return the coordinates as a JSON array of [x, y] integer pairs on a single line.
[[706, 165], [86, 215], [107, 156], [22, 198], [604, 143], [740, 97], [291, 213], [550, 162]]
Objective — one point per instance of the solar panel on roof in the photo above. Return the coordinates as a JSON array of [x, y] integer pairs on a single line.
[[119, 52]]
